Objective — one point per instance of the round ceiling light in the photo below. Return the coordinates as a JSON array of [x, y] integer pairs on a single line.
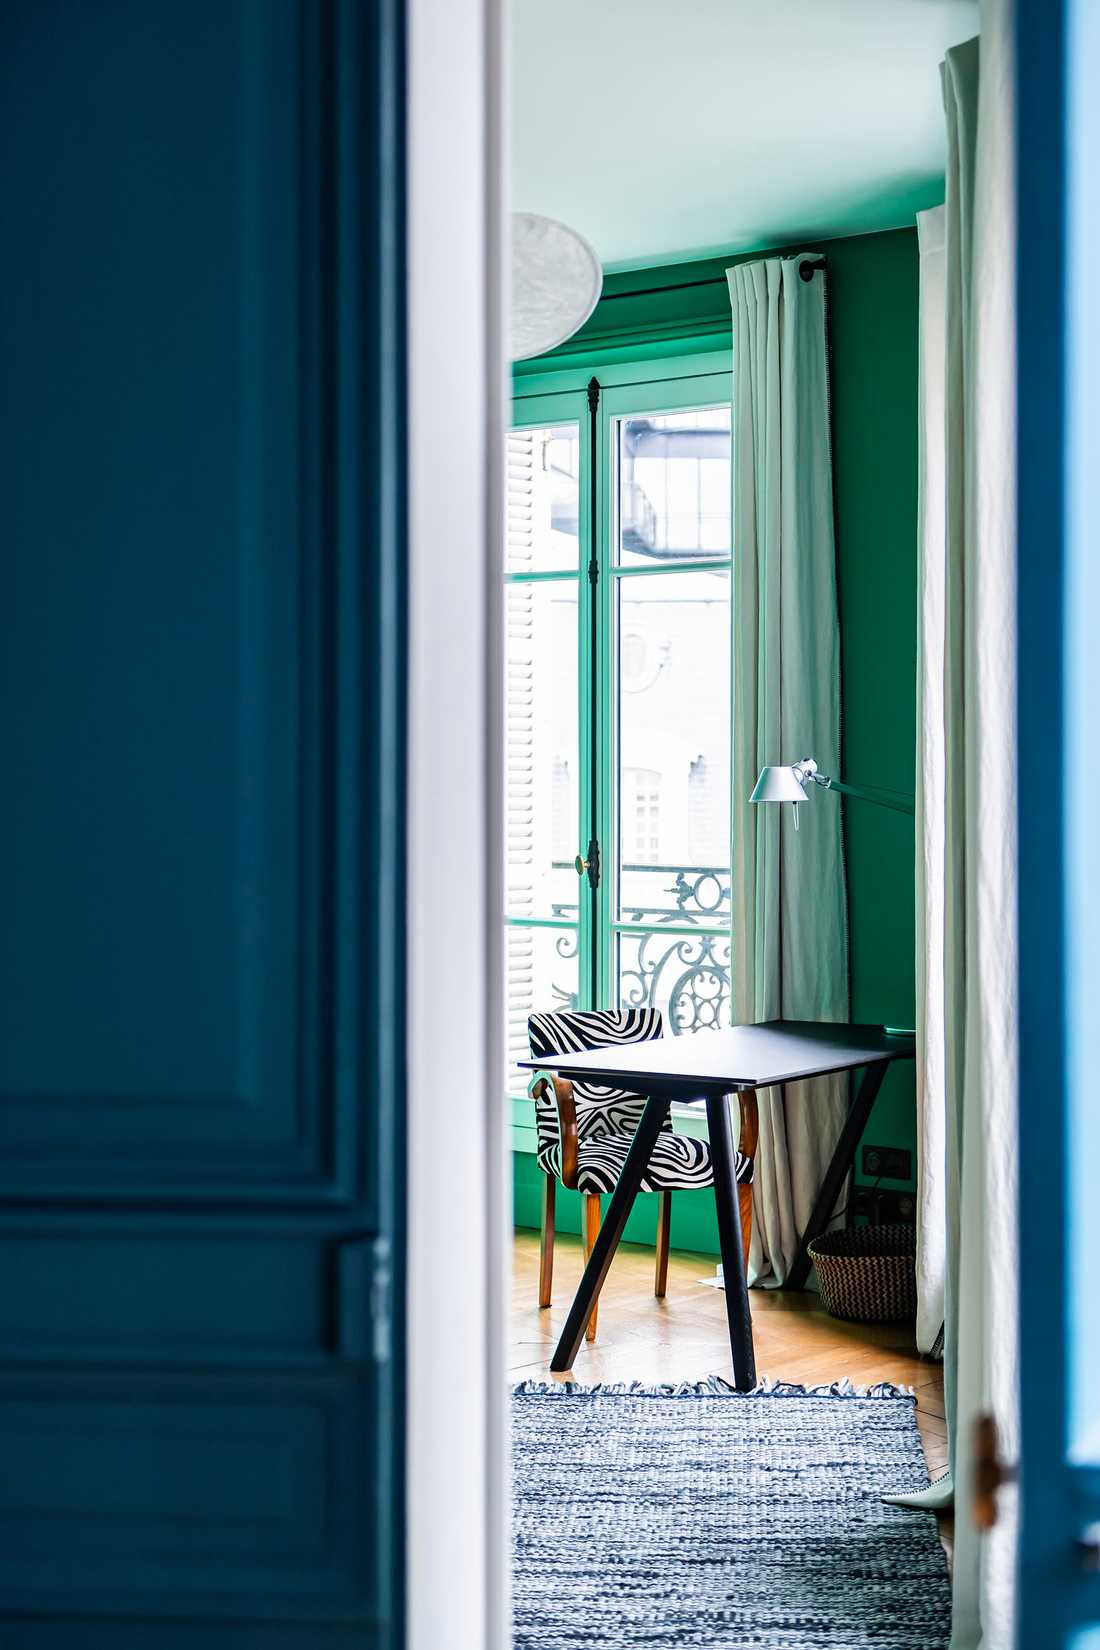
[[556, 282]]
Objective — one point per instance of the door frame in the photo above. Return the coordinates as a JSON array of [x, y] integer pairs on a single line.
[[459, 1198], [457, 1529]]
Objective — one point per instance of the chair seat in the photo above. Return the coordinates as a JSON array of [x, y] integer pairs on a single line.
[[678, 1163]]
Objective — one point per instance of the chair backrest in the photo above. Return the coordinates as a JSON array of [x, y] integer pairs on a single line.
[[600, 1110]]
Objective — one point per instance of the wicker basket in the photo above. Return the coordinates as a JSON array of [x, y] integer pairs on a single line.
[[868, 1273]]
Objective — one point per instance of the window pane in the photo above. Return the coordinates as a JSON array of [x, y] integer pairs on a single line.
[[541, 759], [674, 485], [673, 653], [686, 977], [543, 499], [542, 974]]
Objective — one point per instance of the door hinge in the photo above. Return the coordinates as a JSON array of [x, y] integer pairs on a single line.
[[381, 1300], [989, 1472], [364, 1299]]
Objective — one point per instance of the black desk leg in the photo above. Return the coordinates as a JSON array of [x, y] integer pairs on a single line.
[[837, 1172], [607, 1241], [738, 1318]]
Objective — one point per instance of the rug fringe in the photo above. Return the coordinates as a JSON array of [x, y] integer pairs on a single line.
[[713, 1386]]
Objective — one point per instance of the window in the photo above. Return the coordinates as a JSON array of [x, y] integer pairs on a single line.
[[618, 701]]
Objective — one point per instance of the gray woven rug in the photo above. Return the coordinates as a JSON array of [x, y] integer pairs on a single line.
[[695, 1515]]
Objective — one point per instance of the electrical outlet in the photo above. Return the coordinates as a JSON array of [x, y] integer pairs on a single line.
[[884, 1208], [887, 1162]]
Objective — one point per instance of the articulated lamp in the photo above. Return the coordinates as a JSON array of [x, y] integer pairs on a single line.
[[792, 784]]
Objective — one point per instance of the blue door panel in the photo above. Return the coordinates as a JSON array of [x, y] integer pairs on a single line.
[[215, 1495], [201, 828], [27, 1634], [223, 1293], [172, 937]]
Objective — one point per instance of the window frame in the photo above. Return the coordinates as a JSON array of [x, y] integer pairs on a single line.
[[675, 382]]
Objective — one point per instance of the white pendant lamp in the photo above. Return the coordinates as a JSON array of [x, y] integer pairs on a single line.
[[556, 283]]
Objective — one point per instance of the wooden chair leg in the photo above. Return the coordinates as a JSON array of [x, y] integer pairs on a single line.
[[591, 1232], [664, 1232], [546, 1239], [744, 1200], [746, 1145]]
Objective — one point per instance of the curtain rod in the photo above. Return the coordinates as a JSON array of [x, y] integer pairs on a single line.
[[712, 280]]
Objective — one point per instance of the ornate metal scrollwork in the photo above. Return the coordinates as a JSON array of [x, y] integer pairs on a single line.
[[566, 947], [701, 892], [699, 988], [694, 969]]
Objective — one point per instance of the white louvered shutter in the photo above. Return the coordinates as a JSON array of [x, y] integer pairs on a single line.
[[528, 774]]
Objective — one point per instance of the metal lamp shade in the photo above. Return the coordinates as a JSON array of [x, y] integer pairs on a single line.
[[778, 785], [556, 282]]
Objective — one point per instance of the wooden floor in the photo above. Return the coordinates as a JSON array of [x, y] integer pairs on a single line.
[[683, 1337]]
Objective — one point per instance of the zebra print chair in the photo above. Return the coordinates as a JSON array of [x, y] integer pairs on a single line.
[[584, 1132]]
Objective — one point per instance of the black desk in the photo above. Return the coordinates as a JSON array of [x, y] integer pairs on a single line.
[[710, 1067]]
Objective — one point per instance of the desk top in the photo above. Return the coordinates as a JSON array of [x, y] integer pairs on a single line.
[[742, 1057]]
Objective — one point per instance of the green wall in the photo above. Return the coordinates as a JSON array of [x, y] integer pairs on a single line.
[[693, 1225], [873, 348], [873, 315]]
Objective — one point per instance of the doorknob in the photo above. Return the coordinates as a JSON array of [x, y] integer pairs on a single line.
[[581, 865], [990, 1472]]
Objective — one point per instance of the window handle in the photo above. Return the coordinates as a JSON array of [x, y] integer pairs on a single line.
[[589, 864]]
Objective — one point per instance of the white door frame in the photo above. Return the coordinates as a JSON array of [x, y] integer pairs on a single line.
[[459, 1193]]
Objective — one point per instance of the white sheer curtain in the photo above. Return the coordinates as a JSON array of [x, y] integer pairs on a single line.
[[790, 922], [930, 847], [966, 862]]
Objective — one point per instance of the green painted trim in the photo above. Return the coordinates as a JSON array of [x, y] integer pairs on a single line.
[[632, 346], [552, 576], [540, 406], [693, 1221], [720, 564], [606, 708], [669, 311], [546, 384], [540, 922], [586, 941], [686, 932]]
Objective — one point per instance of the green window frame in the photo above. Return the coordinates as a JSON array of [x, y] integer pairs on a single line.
[[595, 397]]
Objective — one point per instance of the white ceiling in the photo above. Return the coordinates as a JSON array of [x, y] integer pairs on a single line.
[[668, 129]]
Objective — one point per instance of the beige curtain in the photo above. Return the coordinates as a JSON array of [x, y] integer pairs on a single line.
[[790, 922], [979, 839]]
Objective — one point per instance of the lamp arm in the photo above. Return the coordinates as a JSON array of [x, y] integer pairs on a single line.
[[900, 805]]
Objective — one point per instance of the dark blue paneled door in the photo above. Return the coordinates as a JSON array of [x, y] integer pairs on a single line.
[[200, 823]]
